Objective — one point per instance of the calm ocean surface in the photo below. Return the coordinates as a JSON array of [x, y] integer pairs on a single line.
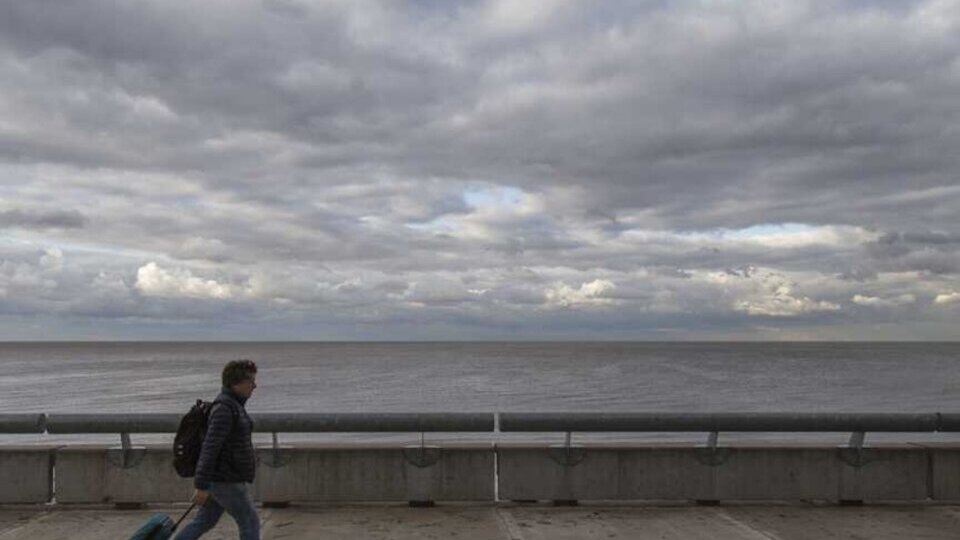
[[486, 377]]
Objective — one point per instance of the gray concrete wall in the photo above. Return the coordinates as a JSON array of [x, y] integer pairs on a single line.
[[945, 471], [94, 474], [26, 474], [90, 474], [892, 473], [740, 473], [343, 472]]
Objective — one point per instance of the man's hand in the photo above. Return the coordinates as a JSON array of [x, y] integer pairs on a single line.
[[200, 496]]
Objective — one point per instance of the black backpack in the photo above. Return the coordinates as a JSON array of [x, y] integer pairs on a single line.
[[189, 439]]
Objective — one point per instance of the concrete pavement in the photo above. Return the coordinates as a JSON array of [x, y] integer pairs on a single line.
[[516, 522]]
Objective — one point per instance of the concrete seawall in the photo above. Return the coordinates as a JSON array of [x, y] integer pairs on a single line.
[[505, 471]]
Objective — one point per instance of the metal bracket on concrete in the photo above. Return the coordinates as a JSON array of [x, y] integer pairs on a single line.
[[854, 454], [422, 456], [567, 454], [276, 456], [713, 455], [856, 440], [126, 456]]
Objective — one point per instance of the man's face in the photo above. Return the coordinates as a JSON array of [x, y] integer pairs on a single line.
[[246, 387]]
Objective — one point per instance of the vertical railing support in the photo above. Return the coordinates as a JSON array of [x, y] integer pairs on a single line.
[[125, 456], [712, 454], [567, 454], [854, 454]]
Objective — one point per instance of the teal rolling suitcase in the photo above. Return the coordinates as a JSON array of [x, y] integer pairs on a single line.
[[159, 527]]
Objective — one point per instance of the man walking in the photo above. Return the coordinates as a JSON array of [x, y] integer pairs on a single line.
[[227, 462]]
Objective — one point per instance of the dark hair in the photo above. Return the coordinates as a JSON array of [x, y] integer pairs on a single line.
[[237, 371]]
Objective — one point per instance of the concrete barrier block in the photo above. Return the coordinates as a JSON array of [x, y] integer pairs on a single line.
[[769, 472], [944, 471], [532, 473], [26, 474], [889, 473], [665, 473], [353, 475], [742, 473], [80, 475], [91, 475], [461, 474], [345, 473], [289, 482]]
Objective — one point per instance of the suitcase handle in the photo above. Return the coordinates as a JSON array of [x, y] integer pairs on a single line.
[[177, 524]]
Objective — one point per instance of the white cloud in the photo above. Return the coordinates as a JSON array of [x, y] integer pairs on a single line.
[[792, 235], [771, 235], [768, 292], [152, 280], [947, 298], [875, 301], [592, 293], [514, 16], [52, 259], [783, 304]]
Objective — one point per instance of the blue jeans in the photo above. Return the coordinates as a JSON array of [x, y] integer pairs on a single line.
[[234, 497]]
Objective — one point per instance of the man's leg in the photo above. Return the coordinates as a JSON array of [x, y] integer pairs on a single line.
[[235, 498], [207, 516]]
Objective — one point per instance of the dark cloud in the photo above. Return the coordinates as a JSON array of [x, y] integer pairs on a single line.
[[858, 274], [924, 251], [649, 163], [56, 219]]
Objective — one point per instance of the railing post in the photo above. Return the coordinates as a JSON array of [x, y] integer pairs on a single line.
[[854, 454], [276, 457], [712, 454], [568, 455]]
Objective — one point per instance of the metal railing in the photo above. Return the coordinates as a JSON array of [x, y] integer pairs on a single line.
[[274, 423], [65, 423], [715, 422], [22, 423], [857, 424], [278, 422]]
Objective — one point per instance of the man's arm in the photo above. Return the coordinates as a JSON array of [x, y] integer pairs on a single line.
[[218, 427]]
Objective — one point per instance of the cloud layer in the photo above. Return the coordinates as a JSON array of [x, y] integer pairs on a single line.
[[280, 169]]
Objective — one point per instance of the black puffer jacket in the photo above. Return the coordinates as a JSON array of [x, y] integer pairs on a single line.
[[227, 454]]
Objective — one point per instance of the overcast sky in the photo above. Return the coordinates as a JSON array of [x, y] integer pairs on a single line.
[[284, 169]]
